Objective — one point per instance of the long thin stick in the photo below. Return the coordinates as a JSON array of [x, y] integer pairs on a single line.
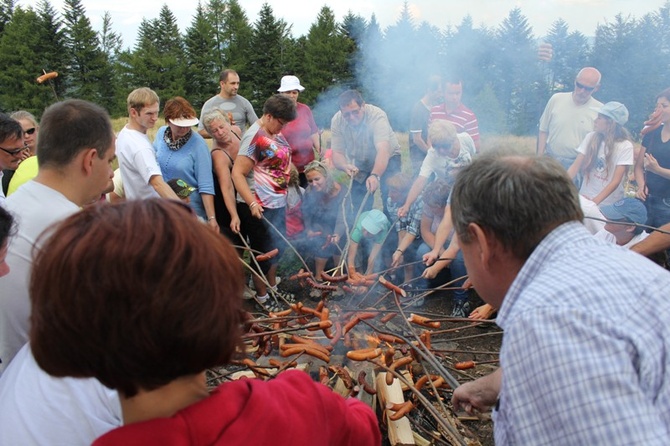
[[629, 223]]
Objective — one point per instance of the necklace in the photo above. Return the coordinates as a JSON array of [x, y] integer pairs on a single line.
[[178, 144]]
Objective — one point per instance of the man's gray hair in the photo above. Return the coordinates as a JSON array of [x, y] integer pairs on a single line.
[[516, 198]]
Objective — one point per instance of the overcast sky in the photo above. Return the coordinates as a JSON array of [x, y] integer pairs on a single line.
[[581, 15]]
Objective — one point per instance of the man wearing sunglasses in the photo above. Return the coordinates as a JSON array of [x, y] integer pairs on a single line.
[[12, 147], [568, 117], [364, 146]]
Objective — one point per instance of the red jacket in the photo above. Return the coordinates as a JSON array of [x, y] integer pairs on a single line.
[[289, 410]]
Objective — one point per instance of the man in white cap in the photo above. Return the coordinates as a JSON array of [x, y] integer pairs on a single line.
[[371, 225], [140, 172], [230, 103], [568, 117]]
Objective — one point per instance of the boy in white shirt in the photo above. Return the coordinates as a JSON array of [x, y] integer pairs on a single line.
[[141, 175]]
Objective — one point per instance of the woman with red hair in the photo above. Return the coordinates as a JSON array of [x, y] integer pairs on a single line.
[[144, 298]]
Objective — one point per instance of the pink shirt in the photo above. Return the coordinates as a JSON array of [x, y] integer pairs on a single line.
[[299, 133]]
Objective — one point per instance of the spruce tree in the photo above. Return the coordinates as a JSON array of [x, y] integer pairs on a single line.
[[201, 59], [85, 61]]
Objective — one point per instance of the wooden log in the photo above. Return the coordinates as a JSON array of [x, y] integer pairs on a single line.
[[400, 431], [250, 374], [339, 386]]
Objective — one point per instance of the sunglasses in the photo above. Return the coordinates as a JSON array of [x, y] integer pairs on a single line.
[[30, 131], [352, 113], [14, 152], [584, 87]]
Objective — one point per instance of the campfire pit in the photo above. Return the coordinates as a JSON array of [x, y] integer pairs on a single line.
[[370, 353]]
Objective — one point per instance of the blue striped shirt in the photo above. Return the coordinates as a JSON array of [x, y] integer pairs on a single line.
[[586, 349]]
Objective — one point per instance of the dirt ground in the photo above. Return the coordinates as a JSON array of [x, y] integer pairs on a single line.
[[460, 341]]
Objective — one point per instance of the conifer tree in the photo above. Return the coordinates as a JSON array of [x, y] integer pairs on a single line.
[[85, 61]]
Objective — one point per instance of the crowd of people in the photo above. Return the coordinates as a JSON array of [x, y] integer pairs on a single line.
[[528, 233]]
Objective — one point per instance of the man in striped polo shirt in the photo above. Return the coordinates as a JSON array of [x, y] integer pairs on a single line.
[[453, 110]]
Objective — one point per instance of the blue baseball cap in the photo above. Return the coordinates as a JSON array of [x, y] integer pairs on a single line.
[[374, 221], [615, 111], [630, 209]]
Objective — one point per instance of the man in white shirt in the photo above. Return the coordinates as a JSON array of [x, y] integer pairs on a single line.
[[76, 151], [568, 117], [624, 216], [141, 175]]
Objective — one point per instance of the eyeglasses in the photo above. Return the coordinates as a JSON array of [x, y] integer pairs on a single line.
[[281, 122], [584, 87], [14, 152], [30, 131], [352, 113]]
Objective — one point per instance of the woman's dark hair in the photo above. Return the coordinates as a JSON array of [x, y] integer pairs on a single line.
[[280, 106], [136, 295]]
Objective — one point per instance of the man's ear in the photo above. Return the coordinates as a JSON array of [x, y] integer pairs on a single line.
[[482, 242], [87, 158]]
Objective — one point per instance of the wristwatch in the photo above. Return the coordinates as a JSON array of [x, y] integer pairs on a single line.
[[374, 175]]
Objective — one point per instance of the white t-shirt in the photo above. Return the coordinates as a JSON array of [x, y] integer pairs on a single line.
[[609, 237], [567, 123], [137, 161], [445, 167], [38, 409], [35, 208], [601, 175]]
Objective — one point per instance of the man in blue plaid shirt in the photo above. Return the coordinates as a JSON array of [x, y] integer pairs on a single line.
[[585, 357]]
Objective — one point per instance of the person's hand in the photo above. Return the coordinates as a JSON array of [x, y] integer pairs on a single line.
[[396, 258], [372, 183], [257, 211], [213, 224], [432, 271], [482, 312], [403, 211], [430, 257], [650, 163], [642, 192], [235, 224], [350, 169], [479, 395]]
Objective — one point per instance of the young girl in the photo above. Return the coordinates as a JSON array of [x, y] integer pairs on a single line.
[[323, 215], [604, 156]]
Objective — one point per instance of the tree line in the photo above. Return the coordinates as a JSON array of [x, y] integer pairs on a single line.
[[504, 81]]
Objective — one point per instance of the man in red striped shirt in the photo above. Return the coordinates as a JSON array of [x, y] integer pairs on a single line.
[[455, 112]]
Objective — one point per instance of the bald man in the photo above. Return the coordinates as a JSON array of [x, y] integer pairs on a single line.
[[568, 117]]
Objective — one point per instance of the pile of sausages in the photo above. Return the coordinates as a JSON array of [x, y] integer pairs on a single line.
[[336, 327]]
